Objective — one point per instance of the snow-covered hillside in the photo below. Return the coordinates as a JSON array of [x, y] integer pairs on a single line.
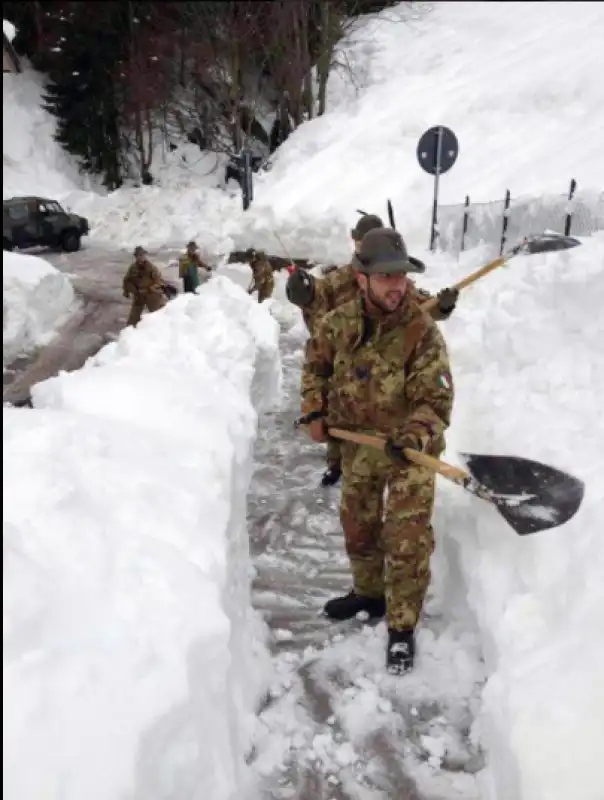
[[525, 106]]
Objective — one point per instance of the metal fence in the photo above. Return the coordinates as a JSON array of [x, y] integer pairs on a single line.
[[525, 215]]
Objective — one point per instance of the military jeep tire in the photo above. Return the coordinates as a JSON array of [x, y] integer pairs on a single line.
[[71, 241]]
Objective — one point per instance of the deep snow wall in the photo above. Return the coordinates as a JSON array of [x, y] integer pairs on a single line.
[[36, 299], [132, 658], [526, 354]]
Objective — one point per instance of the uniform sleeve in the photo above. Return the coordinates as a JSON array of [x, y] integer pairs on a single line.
[[182, 265], [155, 274], [317, 369], [324, 299], [128, 282], [428, 389], [435, 312]]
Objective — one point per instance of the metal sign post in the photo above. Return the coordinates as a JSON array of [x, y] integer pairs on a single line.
[[437, 151], [246, 179]]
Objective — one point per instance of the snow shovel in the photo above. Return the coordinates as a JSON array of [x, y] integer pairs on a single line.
[[530, 245], [530, 496]]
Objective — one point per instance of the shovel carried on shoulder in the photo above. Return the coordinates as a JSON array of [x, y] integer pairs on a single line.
[[530, 245], [530, 496]]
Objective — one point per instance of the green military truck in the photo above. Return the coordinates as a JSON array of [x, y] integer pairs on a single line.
[[39, 222]]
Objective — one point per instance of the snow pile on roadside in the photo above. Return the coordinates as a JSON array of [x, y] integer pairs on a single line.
[[36, 299], [132, 659], [526, 351]]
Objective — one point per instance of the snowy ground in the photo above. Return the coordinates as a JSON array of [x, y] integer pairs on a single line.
[[36, 300], [335, 725], [525, 359]]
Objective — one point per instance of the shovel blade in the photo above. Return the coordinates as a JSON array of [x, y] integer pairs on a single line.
[[530, 496], [550, 242]]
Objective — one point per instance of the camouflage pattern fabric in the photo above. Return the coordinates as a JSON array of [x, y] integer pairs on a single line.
[[143, 279], [389, 542], [334, 453], [151, 302], [264, 280], [339, 287], [387, 375]]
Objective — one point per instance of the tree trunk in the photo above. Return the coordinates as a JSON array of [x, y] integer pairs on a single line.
[[307, 94], [324, 60]]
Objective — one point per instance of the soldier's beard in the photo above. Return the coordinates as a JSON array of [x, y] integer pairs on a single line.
[[391, 302]]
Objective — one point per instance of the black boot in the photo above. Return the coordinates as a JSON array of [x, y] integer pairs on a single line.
[[350, 605], [401, 651], [331, 476]]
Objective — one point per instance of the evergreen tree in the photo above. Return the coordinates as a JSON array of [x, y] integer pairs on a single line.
[[88, 41]]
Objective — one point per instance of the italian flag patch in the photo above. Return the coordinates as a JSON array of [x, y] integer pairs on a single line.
[[444, 380]]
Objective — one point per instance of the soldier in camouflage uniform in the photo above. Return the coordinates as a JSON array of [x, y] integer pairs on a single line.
[[317, 297], [189, 266], [379, 365], [144, 281], [262, 272]]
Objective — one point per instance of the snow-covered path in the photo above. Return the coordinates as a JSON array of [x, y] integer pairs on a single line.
[[335, 725]]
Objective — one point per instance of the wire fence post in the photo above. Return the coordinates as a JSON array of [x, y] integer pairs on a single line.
[[464, 227], [504, 225], [569, 208]]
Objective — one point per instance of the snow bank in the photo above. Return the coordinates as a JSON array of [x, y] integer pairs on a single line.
[[9, 30], [36, 299], [132, 660], [526, 350]]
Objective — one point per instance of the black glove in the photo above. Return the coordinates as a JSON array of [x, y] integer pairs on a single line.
[[394, 450], [447, 300], [300, 288]]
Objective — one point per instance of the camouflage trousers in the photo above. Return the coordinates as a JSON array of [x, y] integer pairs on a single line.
[[385, 513], [265, 290], [334, 454], [152, 302]]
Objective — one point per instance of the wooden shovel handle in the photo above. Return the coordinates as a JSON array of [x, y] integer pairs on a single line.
[[421, 459], [474, 276]]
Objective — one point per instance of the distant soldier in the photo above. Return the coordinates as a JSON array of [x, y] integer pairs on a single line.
[[379, 365], [144, 283], [316, 297], [262, 274], [190, 265]]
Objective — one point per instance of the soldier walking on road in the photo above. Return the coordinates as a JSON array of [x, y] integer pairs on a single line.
[[317, 297], [379, 365], [262, 273], [189, 267], [144, 283]]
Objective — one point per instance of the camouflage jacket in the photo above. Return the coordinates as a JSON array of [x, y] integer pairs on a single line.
[[339, 287], [384, 375], [262, 273], [142, 279]]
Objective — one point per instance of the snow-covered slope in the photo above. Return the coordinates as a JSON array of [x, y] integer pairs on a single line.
[[132, 660], [36, 299]]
